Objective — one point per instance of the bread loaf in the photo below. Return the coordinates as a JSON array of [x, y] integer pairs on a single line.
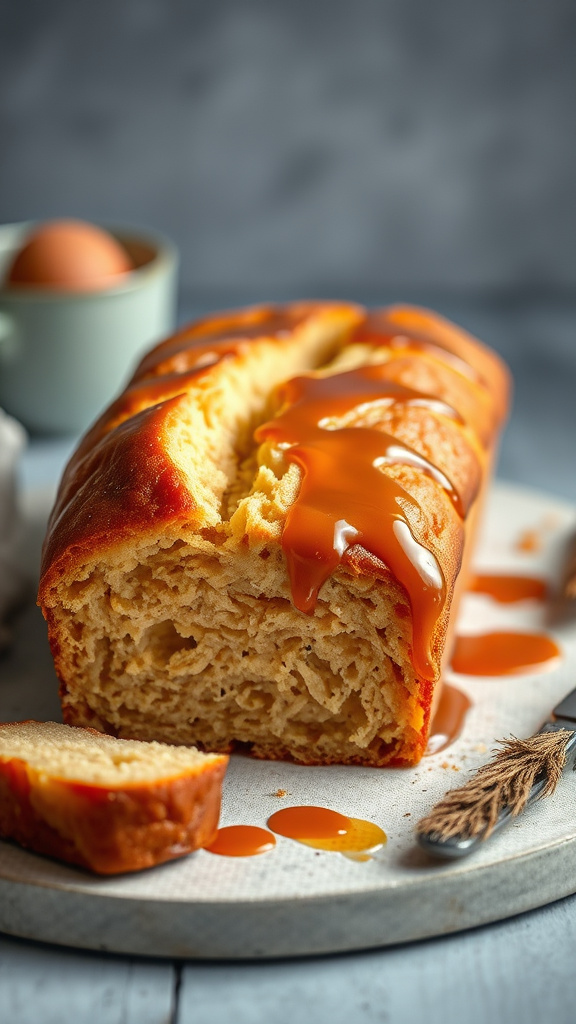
[[257, 545], [109, 805]]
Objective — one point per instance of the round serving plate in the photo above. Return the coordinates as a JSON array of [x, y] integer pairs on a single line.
[[295, 900]]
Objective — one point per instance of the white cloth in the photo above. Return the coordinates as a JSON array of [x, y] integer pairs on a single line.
[[12, 579]]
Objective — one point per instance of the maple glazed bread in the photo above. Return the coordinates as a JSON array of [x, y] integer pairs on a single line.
[[109, 805], [257, 544]]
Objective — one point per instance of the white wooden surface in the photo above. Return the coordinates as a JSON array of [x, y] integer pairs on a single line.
[[521, 971], [42, 985]]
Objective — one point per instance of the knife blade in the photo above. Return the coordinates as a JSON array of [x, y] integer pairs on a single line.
[[455, 847]]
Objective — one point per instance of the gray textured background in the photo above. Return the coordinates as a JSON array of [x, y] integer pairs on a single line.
[[377, 150], [304, 144]]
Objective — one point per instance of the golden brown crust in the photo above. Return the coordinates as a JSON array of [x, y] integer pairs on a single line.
[[124, 485], [492, 373], [109, 829]]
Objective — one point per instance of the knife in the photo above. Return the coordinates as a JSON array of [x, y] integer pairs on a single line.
[[454, 847]]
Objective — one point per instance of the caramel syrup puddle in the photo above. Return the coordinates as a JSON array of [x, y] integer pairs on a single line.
[[507, 589], [533, 538], [345, 499], [529, 541], [448, 720], [504, 654], [324, 829], [241, 841]]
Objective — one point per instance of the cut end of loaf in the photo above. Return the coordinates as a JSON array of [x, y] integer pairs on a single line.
[[218, 655]]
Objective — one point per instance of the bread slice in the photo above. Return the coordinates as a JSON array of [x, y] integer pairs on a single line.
[[257, 546], [109, 805]]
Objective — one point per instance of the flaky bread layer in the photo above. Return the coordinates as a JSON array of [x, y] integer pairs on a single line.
[[106, 804], [164, 581]]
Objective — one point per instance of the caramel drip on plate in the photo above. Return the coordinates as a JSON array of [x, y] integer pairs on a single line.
[[241, 841], [314, 826], [345, 499], [324, 829], [449, 719], [529, 541], [509, 589], [504, 654]]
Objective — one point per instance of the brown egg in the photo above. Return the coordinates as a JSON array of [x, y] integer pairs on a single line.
[[69, 255]]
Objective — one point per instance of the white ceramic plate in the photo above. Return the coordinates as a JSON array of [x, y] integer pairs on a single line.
[[295, 900]]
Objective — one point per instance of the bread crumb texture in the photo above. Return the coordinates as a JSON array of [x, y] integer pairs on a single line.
[[91, 758], [164, 581]]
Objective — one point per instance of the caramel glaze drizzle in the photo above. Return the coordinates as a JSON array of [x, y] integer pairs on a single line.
[[345, 499]]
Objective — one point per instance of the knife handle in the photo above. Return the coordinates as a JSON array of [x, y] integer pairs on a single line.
[[456, 847]]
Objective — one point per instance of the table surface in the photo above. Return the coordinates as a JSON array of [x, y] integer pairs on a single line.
[[517, 970]]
